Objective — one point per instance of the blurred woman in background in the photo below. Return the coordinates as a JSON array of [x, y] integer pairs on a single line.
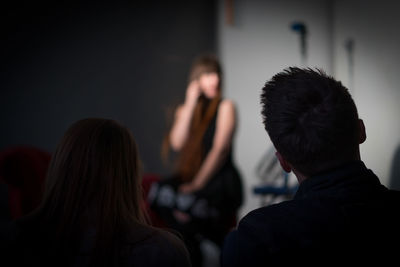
[[203, 195]]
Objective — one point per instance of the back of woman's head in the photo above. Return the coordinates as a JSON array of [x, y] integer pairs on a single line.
[[93, 179]]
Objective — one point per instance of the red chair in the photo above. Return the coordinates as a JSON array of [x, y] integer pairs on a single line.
[[147, 181], [23, 169]]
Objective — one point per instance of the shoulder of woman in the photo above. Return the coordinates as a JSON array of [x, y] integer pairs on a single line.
[[227, 104], [171, 239], [171, 236], [227, 108], [167, 245]]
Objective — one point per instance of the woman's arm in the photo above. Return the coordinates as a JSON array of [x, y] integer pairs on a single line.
[[183, 116], [225, 128]]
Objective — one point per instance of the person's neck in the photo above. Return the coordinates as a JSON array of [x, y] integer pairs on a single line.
[[300, 177]]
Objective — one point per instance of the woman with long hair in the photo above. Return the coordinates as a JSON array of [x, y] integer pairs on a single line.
[[92, 213], [205, 191]]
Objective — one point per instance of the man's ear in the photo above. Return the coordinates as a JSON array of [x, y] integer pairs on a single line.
[[363, 134], [285, 165]]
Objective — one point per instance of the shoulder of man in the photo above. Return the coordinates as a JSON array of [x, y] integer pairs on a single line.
[[255, 237], [268, 215]]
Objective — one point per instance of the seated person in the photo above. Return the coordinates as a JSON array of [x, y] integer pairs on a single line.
[[91, 214], [341, 213], [201, 198]]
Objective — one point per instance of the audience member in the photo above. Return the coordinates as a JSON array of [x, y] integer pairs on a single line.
[[341, 213], [91, 214]]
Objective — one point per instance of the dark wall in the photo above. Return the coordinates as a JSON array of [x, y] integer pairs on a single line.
[[127, 61]]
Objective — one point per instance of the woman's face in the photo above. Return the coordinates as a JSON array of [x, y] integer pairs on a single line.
[[209, 84]]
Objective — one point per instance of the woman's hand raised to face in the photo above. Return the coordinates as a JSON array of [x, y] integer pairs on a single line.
[[193, 92]]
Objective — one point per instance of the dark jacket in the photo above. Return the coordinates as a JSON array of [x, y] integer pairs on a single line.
[[342, 216]]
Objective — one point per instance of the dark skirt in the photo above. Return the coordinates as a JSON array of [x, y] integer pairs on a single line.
[[212, 210]]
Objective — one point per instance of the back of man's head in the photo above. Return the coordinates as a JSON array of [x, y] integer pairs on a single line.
[[311, 119]]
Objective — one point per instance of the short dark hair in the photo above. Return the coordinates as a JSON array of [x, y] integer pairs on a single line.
[[311, 119]]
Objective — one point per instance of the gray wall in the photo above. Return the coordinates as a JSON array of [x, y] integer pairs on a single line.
[[125, 60], [260, 43], [375, 84]]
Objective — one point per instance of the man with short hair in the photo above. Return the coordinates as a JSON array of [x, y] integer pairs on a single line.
[[341, 213]]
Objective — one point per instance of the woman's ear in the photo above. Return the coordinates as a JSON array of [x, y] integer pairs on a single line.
[[285, 165], [363, 134]]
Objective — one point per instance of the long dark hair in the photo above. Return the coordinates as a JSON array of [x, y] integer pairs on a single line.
[[191, 156], [94, 182]]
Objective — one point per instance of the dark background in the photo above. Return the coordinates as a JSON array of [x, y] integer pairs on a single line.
[[124, 60]]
